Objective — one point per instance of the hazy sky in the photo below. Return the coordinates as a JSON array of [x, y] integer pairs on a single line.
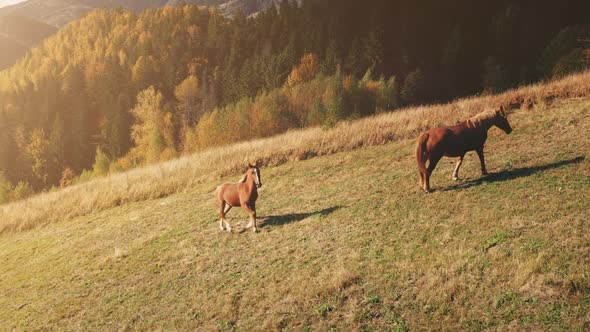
[[4, 3]]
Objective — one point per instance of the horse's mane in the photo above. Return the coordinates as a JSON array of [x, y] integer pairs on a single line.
[[481, 119], [243, 179]]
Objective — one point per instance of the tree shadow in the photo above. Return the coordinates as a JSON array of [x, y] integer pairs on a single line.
[[284, 219], [507, 175]]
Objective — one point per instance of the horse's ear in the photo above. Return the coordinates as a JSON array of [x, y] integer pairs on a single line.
[[250, 165], [258, 163], [502, 111]]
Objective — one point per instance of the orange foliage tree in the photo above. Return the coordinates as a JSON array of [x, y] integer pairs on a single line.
[[305, 71]]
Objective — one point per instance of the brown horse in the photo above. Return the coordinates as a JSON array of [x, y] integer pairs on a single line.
[[455, 141], [243, 193]]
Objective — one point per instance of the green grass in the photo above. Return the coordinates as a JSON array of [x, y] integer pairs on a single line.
[[348, 242]]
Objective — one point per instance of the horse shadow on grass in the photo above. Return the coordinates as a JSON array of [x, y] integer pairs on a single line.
[[511, 174], [278, 220]]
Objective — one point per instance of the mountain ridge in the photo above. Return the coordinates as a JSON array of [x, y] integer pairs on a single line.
[[42, 18], [17, 35], [58, 13]]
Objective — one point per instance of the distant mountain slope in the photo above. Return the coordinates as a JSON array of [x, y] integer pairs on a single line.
[[24, 24], [17, 35], [11, 50], [4, 3], [248, 7], [60, 12]]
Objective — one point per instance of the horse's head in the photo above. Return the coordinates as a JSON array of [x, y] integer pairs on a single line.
[[501, 120], [254, 171]]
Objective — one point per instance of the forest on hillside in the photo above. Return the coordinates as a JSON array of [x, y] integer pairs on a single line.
[[115, 89]]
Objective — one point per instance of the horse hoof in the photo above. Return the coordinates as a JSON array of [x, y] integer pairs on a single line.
[[255, 230], [455, 178], [229, 229]]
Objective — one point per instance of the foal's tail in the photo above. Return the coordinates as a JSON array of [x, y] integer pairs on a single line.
[[421, 155], [218, 194]]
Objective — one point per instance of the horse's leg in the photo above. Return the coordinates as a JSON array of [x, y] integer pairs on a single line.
[[253, 220], [251, 207], [228, 208], [227, 225], [431, 166], [482, 161], [252, 213], [252, 223], [221, 214], [422, 178], [456, 172]]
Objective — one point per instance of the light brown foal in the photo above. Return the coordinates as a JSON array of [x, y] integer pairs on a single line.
[[243, 193]]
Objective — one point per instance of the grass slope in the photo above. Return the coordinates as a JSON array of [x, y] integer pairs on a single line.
[[348, 242], [186, 173]]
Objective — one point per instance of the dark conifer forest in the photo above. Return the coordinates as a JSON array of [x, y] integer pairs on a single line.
[[116, 90]]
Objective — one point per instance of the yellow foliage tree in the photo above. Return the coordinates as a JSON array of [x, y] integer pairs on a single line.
[[38, 152], [152, 131], [67, 177], [189, 112]]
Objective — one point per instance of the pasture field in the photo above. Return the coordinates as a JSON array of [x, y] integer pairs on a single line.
[[347, 242], [184, 174]]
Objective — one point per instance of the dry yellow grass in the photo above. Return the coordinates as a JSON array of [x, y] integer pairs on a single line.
[[181, 174]]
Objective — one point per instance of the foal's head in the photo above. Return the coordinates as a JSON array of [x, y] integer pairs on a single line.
[[254, 172], [501, 120]]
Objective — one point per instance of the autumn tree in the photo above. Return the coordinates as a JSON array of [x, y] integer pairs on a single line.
[[373, 55], [317, 113], [67, 178], [334, 102], [305, 71], [152, 131], [413, 89], [332, 58], [5, 189], [101, 163], [188, 97], [37, 151], [144, 72]]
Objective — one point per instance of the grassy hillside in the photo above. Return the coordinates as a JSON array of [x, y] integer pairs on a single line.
[[160, 180], [348, 242]]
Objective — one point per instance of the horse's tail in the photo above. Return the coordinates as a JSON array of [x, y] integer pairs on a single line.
[[218, 194], [421, 156]]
